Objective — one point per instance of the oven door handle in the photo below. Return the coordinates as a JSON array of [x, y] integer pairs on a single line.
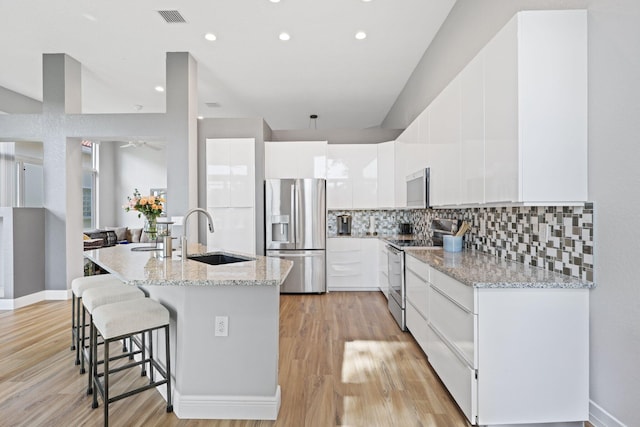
[[393, 249]]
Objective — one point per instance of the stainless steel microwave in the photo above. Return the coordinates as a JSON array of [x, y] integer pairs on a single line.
[[418, 189]]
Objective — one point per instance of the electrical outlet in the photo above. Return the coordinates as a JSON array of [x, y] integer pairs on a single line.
[[222, 326]]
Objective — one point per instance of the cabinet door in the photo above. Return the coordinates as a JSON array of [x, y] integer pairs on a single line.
[[297, 159], [444, 141], [501, 116], [234, 230], [383, 279], [386, 175], [218, 173], [242, 173], [280, 160], [472, 132], [344, 264], [352, 176], [369, 259]]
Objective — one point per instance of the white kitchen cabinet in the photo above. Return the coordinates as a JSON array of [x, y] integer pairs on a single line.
[[352, 264], [234, 230], [536, 109], [417, 310], [383, 268], [297, 159], [472, 164], [230, 169], [444, 146], [386, 175], [352, 176], [230, 172], [507, 355], [410, 155]]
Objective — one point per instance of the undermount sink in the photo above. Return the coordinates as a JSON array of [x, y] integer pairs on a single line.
[[219, 258]]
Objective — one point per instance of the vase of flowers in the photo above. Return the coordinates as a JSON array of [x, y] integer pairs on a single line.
[[149, 206]]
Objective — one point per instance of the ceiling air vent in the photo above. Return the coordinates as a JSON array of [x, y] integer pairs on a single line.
[[171, 16]]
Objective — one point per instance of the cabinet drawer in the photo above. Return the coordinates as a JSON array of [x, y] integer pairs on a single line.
[[460, 293], [418, 267], [417, 325], [456, 324], [344, 268], [456, 375], [417, 292]]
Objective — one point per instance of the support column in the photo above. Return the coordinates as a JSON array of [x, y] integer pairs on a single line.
[[62, 168], [182, 140]]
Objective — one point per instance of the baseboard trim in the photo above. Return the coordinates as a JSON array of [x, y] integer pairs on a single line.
[[352, 289], [601, 418], [16, 303], [58, 295], [227, 407]]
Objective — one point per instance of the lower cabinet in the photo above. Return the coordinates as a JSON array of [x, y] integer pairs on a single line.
[[506, 355], [352, 264], [383, 268]]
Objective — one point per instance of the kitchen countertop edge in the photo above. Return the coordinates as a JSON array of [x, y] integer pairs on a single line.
[[480, 270]]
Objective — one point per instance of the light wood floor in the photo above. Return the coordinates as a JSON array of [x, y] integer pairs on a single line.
[[343, 362]]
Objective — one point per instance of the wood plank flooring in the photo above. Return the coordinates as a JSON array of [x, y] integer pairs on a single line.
[[343, 362]]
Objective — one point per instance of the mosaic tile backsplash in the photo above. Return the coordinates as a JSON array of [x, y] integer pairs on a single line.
[[512, 233]]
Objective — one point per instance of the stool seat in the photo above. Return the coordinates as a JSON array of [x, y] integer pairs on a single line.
[[81, 284], [95, 297], [123, 318]]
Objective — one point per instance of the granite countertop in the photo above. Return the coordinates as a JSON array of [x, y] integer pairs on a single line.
[[150, 268], [362, 235], [485, 271]]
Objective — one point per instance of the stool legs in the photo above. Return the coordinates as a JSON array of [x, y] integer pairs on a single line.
[[73, 322], [168, 373]]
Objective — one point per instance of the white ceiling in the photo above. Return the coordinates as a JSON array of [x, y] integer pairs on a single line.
[[248, 71]]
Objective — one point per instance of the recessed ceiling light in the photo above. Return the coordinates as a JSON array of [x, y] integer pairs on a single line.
[[284, 36], [159, 89], [200, 117], [274, 1], [361, 35], [211, 37], [366, 1]]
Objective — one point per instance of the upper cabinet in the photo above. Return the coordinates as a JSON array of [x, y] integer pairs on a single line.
[[231, 193], [410, 153], [444, 146], [352, 176], [386, 184], [230, 172], [299, 159], [536, 109], [512, 126]]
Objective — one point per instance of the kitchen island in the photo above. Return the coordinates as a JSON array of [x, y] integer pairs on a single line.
[[216, 377]]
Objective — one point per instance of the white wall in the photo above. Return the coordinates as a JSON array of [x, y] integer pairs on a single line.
[[141, 168], [614, 128]]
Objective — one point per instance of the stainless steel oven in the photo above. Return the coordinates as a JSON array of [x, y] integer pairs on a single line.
[[397, 289], [395, 274]]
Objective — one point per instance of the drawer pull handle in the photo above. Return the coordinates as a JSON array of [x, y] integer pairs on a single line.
[[450, 346], [460, 306]]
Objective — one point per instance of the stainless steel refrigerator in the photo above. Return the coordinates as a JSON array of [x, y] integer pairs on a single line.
[[296, 223]]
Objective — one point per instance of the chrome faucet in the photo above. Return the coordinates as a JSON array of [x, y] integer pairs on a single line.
[[183, 243]]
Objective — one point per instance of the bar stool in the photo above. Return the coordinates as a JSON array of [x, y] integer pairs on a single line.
[[99, 296], [122, 320], [78, 286]]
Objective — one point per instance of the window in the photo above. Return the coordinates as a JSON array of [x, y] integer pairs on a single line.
[[89, 184]]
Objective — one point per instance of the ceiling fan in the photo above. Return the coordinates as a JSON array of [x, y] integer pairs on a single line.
[[137, 144]]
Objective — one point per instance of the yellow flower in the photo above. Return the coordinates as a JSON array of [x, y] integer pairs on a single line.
[[154, 207], [152, 200], [143, 201]]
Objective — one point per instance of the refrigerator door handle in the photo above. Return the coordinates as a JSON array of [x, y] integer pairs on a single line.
[[294, 217]]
